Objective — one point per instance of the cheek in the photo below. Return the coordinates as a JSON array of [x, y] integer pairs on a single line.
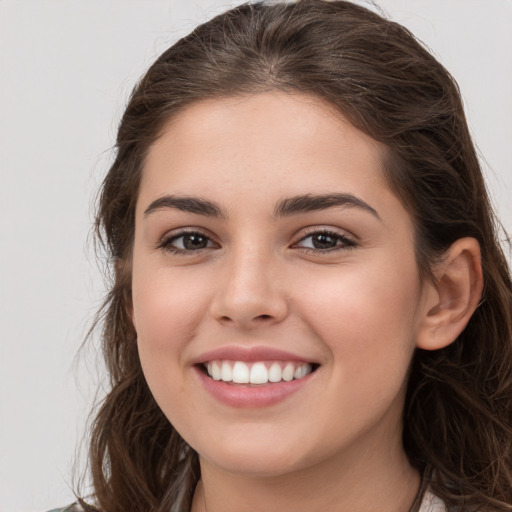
[[368, 318], [167, 310], [368, 324], [166, 306]]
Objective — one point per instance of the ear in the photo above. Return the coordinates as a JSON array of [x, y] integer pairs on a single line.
[[454, 295]]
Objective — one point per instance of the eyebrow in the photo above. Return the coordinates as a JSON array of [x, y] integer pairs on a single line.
[[309, 203], [186, 204], [284, 208]]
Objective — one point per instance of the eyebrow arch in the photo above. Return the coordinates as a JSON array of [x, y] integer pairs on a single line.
[[309, 203], [285, 207], [186, 204]]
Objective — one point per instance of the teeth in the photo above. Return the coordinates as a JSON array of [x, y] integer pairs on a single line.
[[216, 371], [288, 372], [240, 372], [226, 372], [274, 373], [259, 374]]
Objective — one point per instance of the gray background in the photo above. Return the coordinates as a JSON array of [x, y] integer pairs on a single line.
[[66, 68]]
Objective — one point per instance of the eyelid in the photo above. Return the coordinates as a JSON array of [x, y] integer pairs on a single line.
[[348, 240], [164, 242]]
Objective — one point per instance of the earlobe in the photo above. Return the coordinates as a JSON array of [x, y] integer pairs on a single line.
[[453, 297]]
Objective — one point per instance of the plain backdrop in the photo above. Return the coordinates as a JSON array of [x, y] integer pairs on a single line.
[[66, 68]]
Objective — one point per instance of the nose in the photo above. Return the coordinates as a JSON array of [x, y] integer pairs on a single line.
[[251, 291]]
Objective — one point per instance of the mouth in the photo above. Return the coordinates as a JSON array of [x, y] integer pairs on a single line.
[[254, 376], [256, 373]]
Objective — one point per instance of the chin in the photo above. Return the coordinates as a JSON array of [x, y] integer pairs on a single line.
[[263, 466], [263, 457]]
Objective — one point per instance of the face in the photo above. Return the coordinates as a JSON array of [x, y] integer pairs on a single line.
[[276, 296]]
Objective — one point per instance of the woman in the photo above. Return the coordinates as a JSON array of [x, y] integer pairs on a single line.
[[310, 309]]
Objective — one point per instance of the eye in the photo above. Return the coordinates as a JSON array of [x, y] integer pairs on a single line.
[[324, 241], [189, 241]]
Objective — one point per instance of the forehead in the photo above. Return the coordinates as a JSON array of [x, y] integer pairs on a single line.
[[264, 144]]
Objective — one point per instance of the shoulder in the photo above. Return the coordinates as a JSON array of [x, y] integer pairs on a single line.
[[431, 503]]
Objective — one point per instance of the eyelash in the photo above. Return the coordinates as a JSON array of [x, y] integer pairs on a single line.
[[166, 242], [343, 242]]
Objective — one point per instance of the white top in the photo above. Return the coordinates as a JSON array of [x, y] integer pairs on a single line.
[[432, 503]]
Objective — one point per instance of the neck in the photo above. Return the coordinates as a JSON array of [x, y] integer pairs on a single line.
[[380, 480]]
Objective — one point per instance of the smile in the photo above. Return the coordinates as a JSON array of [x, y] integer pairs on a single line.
[[258, 372]]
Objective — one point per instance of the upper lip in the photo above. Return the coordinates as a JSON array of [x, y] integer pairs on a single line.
[[249, 354]]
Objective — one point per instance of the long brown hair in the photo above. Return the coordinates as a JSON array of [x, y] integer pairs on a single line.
[[458, 413]]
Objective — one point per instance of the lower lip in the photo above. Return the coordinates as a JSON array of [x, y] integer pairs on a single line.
[[240, 395]]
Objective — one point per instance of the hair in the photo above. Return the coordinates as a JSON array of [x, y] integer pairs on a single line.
[[458, 410]]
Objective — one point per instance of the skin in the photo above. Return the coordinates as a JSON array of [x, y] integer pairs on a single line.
[[358, 309]]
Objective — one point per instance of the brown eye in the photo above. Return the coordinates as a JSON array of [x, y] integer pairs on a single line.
[[325, 241], [187, 242], [194, 241]]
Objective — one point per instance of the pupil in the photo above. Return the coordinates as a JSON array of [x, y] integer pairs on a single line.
[[195, 242], [324, 241]]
